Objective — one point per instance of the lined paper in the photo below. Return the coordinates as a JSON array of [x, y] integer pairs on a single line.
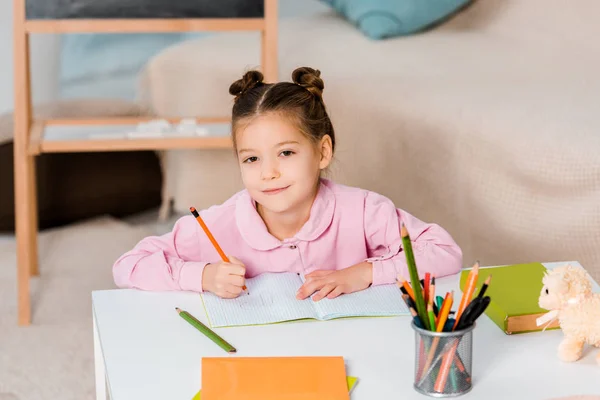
[[381, 300], [272, 299]]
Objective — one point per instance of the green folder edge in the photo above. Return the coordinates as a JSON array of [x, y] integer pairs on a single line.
[[350, 380]]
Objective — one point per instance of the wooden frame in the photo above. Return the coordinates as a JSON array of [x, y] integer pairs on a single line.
[[29, 134]]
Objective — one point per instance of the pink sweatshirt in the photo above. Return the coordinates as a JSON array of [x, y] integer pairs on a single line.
[[346, 226]]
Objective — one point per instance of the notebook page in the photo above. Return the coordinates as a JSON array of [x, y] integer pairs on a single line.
[[272, 299], [380, 300]]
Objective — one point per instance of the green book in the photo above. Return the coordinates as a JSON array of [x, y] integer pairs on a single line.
[[514, 292]]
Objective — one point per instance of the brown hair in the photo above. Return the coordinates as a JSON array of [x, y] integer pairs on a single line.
[[301, 101]]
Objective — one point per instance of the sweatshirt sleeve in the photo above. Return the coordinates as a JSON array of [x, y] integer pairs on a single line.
[[434, 249], [162, 263]]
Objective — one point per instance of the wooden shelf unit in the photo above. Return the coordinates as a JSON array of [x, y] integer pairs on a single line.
[[38, 144], [29, 140]]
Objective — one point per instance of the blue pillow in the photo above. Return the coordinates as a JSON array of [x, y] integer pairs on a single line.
[[379, 19]]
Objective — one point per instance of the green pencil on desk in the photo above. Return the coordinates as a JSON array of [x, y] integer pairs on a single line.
[[206, 331]]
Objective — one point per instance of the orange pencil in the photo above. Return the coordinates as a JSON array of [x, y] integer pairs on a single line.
[[440, 382], [442, 377], [445, 311], [211, 238], [468, 294], [440, 322], [444, 306], [404, 283]]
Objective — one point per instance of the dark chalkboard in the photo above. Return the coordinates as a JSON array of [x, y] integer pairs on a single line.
[[70, 9]]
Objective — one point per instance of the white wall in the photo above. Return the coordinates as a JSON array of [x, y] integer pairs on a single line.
[[44, 62]]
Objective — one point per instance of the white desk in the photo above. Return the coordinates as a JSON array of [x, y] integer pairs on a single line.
[[146, 351]]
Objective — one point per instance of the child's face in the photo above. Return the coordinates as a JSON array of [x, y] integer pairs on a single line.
[[279, 165]]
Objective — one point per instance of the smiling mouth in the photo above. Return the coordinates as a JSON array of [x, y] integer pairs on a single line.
[[275, 191]]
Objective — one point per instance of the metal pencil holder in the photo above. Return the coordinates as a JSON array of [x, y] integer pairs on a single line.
[[443, 362]]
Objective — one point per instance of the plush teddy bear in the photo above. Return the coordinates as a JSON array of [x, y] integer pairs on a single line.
[[567, 292]]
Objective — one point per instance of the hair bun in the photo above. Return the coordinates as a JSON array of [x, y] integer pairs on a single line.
[[250, 80], [310, 79]]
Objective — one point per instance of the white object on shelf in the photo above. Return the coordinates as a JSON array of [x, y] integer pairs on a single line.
[[142, 135], [108, 136], [202, 131], [152, 129], [186, 127]]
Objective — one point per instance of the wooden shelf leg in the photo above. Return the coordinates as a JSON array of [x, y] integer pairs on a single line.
[[24, 166], [32, 217], [269, 44]]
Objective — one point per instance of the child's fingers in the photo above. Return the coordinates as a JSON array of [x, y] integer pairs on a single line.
[[236, 280], [309, 288], [234, 260], [324, 291], [335, 292], [233, 290], [234, 269], [227, 295]]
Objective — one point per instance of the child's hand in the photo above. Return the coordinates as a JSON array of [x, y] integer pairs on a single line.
[[331, 284], [224, 279]]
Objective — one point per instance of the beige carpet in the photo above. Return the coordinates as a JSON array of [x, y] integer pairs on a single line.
[[53, 358]]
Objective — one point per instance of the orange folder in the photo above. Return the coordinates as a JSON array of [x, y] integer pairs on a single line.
[[274, 378]]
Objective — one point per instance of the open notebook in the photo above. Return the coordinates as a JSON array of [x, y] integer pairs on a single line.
[[272, 299]]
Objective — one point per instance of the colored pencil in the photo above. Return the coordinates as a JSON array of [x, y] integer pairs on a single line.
[[442, 306], [212, 239], [426, 284], [432, 290], [431, 317], [439, 300], [206, 331], [473, 311], [414, 275], [403, 284], [468, 293], [485, 286], [444, 371], [444, 312], [406, 299]]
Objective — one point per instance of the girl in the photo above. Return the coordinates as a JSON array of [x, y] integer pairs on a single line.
[[288, 218]]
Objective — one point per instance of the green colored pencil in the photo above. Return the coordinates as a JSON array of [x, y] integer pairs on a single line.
[[439, 301], [206, 331], [414, 276], [431, 317], [453, 373]]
